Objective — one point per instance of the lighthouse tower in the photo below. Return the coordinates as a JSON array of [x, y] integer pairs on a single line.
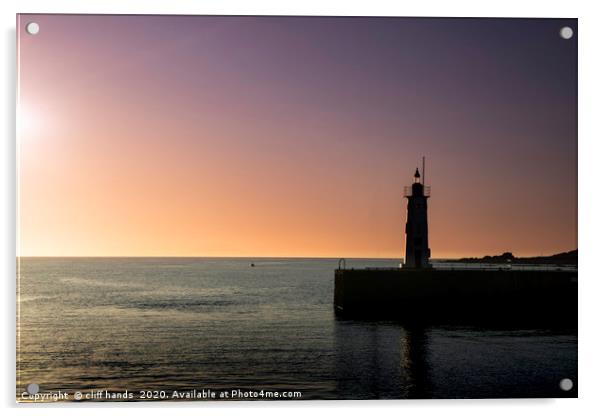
[[417, 241]]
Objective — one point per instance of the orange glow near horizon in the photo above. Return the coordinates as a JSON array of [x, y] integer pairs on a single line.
[[181, 139]]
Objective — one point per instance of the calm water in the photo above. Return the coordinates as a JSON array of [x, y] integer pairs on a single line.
[[177, 324]]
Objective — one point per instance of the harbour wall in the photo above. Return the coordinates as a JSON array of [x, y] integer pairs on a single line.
[[418, 295]]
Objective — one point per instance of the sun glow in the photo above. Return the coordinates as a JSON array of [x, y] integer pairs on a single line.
[[30, 122]]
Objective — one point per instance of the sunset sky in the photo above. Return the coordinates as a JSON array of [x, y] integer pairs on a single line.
[[259, 136]]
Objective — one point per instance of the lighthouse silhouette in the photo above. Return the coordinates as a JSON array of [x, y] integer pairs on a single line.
[[417, 241]]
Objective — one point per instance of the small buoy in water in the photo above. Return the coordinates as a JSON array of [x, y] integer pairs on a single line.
[[252, 264]]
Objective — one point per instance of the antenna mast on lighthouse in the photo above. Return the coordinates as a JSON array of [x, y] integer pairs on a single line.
[[423, 174]]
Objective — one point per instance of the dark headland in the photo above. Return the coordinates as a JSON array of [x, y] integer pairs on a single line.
[[499, 289], [566, 258]]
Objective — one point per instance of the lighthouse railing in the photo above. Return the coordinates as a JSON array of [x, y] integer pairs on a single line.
[[407, 191]]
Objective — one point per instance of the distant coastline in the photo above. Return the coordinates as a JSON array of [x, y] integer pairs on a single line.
[[569, 257]]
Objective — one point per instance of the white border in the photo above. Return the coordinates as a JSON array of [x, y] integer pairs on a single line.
[[590, 203]]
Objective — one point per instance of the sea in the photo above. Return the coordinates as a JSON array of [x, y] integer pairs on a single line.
[[255, 329]]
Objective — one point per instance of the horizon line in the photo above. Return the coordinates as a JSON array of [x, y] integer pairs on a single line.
[[273, 257], [206, 257]]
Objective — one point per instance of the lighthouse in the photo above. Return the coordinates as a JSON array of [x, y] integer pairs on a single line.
[[417, 241]]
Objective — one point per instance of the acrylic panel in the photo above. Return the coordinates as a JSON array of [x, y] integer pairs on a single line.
[[295, 208]]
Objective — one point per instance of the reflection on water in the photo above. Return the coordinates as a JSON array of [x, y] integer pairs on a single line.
[[414, 363], [219, 323], [389, 360]]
